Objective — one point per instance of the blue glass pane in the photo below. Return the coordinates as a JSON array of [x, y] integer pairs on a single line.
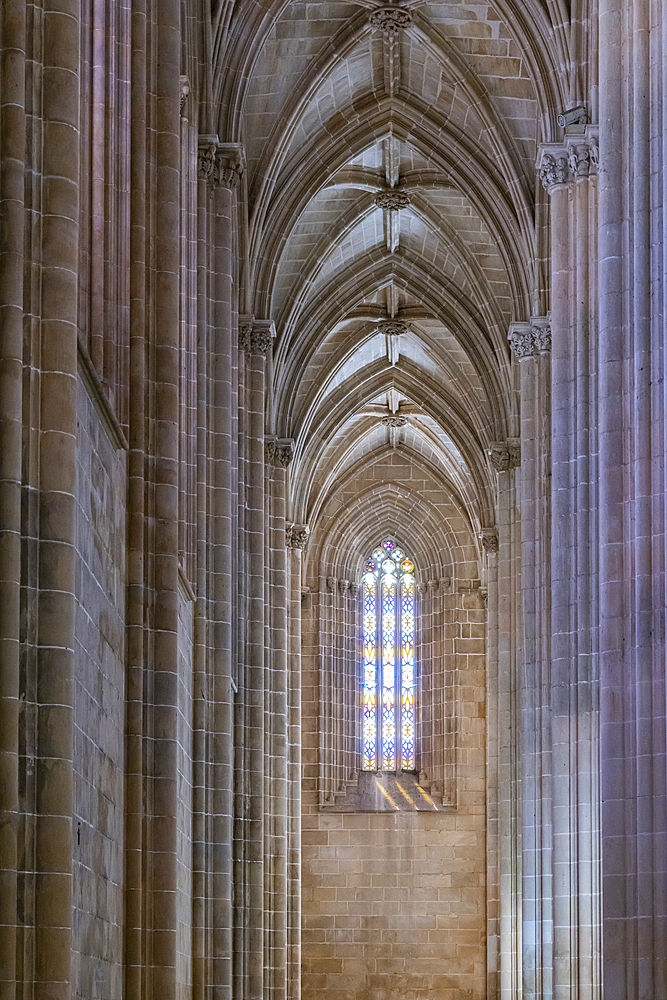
[[388, 672], [370, 676], [407, 672]]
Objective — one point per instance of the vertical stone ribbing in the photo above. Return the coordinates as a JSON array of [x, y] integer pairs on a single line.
[[164, 706], [228, 168], [134, 945], [631, 420], [12, 166], [296, 541], [57, 331], [256, 342]]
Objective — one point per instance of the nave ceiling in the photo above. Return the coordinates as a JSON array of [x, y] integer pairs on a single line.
[[395, 224]]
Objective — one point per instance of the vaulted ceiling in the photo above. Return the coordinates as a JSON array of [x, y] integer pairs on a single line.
[[395, 224]]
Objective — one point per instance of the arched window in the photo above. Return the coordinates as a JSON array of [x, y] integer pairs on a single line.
[[388, 693]]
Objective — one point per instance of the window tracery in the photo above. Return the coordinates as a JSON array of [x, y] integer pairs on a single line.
[[388, 684]]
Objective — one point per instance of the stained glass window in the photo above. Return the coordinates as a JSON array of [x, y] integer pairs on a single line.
[[388, 680]]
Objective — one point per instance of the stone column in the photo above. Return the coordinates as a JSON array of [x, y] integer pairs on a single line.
[[12, 166], [255, 339], [531, 343], [279, 454], [632, 480], [223, 352], [568, 174], [297, 539], [503, 753]]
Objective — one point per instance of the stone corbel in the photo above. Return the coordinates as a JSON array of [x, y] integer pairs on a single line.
[[576, 157], [505, 455], [279, 450], [184, 90], [256, 335], [208, 145]]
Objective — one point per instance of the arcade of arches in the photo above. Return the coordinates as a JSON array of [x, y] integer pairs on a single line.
[[290, 289]]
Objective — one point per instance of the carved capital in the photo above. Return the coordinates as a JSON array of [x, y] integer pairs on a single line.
[[229, 164], [573, 159], [208, 145], [296, 536], [256, 336], [489, 538], [529, 339], [393, 201], [505, 455], [393, 327], [522, 340], [390, 20], [331, 583], [279, 450]]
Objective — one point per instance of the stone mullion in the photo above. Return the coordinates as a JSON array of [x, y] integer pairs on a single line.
[[255, 672], [294, 844], [201, 877], [57, 314], [162, 862], [134, 941], [223, 502], [12, 227]]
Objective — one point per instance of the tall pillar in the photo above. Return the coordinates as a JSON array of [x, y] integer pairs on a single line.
[[279, 454], [504, 659], [568, 173], [297, 539], [12, 167], [531, 343], [632, 484], [255, 339]]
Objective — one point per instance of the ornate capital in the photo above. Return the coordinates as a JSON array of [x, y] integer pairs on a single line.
[[529, 339], [208, 145], [296, 536], [575, 158], [522, 340], [394, 420], [505, 455], [256, 335], [393, 201], [390, 20], [229, 164], [279, 450], [393, 327], [489, 538]]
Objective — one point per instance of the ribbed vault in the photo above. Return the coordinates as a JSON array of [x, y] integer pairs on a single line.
[[393, 237]]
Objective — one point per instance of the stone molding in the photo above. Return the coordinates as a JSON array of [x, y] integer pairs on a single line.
[[393, 327], [575, 158], [489, 538], [529, 339], [505, 455], [256, 336], [220, 164], [390, 20], [392, 201], [279, 450], [296, 536]]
